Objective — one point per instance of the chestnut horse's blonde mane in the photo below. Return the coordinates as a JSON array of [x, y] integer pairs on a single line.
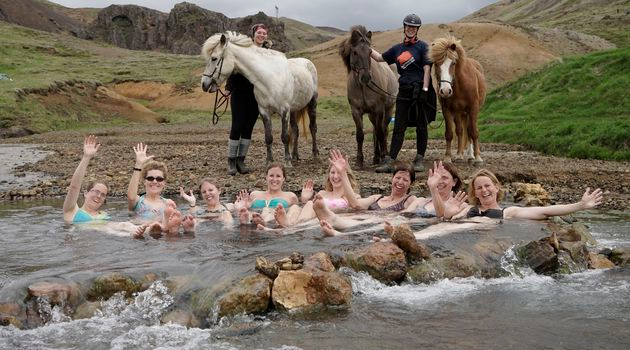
[[441, 48]]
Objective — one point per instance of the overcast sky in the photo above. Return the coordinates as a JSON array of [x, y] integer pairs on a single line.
[[374, 14]]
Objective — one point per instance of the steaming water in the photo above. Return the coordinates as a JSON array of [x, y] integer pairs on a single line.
[[589, 310]]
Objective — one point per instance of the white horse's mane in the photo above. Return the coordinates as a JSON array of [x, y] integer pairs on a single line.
[[233, 38]]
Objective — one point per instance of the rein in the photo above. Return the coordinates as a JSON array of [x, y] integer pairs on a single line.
[[225, 97], [218, 103]]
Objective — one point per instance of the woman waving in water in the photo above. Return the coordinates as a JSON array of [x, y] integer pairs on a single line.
[[95, 194]]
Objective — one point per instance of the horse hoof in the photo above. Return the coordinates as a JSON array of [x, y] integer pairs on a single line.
[[477, 162], [288, 164]]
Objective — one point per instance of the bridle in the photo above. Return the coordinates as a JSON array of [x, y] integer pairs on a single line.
[[225, 97]]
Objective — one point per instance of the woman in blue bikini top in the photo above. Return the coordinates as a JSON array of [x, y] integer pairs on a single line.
[[94, 196], [274, 195]]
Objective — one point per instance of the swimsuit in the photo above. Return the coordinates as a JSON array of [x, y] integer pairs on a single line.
[[274, 202], [144, 211], [490, 213], [336, 203], [83, 216], [394, 207]]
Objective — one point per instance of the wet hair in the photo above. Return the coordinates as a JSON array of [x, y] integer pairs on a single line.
[[203, 181], [255, 28], [154, 165], [353, 181], [404, 166], [472, 199], [276, 165], [90, 185], [455, 174]]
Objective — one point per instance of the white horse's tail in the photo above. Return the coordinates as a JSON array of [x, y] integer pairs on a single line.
[[300, 118]]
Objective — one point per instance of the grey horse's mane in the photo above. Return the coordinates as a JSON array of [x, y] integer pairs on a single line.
[[233, 38]]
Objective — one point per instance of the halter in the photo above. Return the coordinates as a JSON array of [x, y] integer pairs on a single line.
[[225, 98]]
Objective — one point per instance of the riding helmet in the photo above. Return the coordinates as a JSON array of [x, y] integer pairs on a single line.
[[412, 20]]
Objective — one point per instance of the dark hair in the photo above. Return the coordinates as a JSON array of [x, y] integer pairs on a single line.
[[203, 181], [405, 166], [455, 174], [276, 165], [255, 28]]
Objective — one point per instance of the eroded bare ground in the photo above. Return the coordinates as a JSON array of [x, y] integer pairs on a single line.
[[196, 152]]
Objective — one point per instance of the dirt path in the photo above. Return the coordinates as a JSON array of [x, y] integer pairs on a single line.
[[198, 151]]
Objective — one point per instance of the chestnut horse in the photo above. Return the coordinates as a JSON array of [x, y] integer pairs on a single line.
[[462, 92], [372, 89]]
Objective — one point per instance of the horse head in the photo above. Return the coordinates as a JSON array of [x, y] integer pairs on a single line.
[[360, 51], [219, 62], [355, 52], [445, 54]]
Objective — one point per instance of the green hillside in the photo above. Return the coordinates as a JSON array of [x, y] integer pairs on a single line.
[[578, 108], [35, 60]]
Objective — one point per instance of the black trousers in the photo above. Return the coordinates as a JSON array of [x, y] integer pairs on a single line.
[[244, 107], [409, 113]]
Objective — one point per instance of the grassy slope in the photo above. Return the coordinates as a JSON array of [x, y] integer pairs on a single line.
[[35, 59], [577, 108], [606, 19], [304, 35]]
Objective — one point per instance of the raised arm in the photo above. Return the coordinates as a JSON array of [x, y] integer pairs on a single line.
[[90, 147], [432, 182], [307, 191], [589, 200], [341, 164], [376, 56], [132, 190]]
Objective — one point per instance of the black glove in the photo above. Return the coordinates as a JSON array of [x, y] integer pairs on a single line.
[[423, 97]]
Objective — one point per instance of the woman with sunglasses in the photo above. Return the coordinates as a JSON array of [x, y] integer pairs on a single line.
[[94, 196], [150, 208], [244, 110]]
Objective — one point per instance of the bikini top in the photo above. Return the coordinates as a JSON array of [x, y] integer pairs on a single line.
[[145, 211], [336, 203], [82, 216], [423, 212], [272, 203], [490, 213], [204, 212], [394, 207]]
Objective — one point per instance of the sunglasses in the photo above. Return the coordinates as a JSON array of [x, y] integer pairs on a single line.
[[156, 178]]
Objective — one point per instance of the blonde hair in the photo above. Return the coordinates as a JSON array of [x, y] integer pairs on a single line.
[[353, 181], [154, 165], [472, 199]]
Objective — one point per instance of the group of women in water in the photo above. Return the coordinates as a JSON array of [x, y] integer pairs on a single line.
[[276, 209]]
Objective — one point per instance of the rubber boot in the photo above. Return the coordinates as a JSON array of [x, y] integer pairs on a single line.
[[242, 153], [418, 166], [386, 166], [232, 154]]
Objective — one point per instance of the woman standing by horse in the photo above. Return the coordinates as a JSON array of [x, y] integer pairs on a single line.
[[244, 110], [415, 103]]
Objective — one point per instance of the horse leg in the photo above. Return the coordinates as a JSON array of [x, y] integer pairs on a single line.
[[312, 123], [268, 135], [375, 141], [462, 140], [285, 115], [448, 132], [357, 115], [295, 133], [473, 133], [385, 119]]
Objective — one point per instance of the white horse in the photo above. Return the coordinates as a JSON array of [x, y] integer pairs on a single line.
[[284, 86]]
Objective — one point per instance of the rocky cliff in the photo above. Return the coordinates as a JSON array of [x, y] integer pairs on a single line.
[[183, 30]]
